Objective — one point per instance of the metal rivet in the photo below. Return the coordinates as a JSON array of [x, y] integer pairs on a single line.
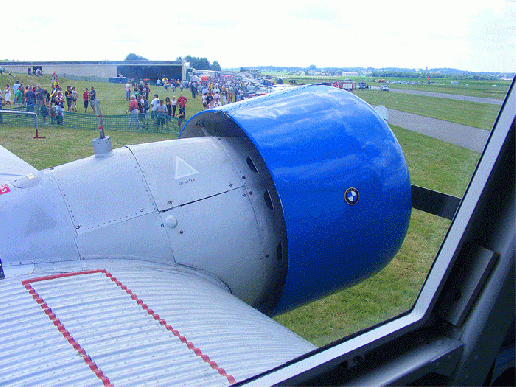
[[171, 221]]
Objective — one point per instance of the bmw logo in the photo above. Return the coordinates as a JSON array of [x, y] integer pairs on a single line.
[[351, 196]]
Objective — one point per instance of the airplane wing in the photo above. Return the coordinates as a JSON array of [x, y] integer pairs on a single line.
[[133, 326], [12, 167]]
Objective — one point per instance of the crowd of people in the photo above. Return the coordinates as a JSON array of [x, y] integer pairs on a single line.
[[144, 110], [36, 99], [214, 92], [220, 91], [158, 111]]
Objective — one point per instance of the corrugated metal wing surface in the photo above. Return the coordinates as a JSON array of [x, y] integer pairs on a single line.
[[134, 327], [32, 350]]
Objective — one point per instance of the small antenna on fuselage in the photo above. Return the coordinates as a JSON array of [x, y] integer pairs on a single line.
[[101, 145]]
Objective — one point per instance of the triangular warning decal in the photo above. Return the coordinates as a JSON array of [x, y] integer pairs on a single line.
[[183, 169]]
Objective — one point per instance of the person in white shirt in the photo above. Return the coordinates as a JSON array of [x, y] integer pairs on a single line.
[[154, 106], [174, 105], [127, 91], [161, 114]]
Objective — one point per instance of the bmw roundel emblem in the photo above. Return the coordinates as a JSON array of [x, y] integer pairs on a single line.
[[351, 196]]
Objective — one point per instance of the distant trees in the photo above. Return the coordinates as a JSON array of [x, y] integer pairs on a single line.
[[202, 63], [196, 63], [133, 56], [215, 66]]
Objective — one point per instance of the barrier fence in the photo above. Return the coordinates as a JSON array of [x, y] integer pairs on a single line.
[[160, 123]]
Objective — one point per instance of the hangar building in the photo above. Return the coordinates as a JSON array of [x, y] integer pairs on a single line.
[[137, 69]]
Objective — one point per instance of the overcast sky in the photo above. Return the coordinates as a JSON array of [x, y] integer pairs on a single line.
[[476, 35]]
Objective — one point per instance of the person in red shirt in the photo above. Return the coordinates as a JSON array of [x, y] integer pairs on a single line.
[[85, 97], [181, 103], [133, 113]]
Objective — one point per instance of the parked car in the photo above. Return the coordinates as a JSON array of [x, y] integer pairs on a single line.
[[384, 88]]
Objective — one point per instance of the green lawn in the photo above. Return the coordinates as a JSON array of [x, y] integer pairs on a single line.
[[390, 292], [436, 164], [62, 145]]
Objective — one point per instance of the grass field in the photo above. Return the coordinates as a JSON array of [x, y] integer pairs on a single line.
[[62, 145], [478, 115], [390, 292], [432, 164]]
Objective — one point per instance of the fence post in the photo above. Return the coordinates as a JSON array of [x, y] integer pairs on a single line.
[[36, 125], [27, 114]]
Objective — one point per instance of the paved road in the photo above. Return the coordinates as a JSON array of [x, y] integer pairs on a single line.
[[466, 136], [493, 101]]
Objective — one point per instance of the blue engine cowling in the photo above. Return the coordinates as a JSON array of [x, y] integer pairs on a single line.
[[341, 178]]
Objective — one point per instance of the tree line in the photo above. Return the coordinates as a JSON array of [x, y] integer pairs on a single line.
[[196, 63], [202, 63]]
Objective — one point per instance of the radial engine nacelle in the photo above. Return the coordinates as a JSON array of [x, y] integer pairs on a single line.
[[282, 199]]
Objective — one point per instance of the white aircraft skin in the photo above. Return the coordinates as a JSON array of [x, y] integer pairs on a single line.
[[173, 192], [180, 229]]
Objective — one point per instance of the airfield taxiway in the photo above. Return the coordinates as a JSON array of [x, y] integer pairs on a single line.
[[458, 97], [462, 135], [466, 136]]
